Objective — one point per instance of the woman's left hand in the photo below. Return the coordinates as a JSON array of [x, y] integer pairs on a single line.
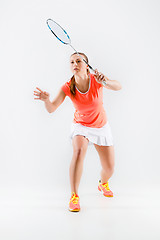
[[99, 76]]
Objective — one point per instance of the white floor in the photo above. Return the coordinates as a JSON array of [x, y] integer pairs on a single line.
[[31, 215]]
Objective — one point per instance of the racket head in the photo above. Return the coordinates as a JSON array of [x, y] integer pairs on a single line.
[[58, 31]]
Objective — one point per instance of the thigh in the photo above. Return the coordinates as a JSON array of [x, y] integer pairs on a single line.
[[80, 143], [106, 154]]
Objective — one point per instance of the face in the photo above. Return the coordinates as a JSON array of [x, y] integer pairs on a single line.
[[77, 65]]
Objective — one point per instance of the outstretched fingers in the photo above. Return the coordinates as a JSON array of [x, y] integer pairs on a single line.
[[39, 89], [36, 93]]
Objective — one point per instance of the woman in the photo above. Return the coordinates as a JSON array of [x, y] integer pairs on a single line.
[[90, 124]]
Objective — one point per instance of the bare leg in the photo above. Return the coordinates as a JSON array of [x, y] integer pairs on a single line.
[[107, 158], [80, 145]]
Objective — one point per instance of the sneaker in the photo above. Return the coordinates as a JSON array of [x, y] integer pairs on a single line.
[[74, 203], [105, 189]]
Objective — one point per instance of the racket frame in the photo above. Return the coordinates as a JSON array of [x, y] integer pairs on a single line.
[[103, 82]]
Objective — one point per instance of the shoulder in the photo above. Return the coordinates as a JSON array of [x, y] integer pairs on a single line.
[[67, 83], [65, 87]]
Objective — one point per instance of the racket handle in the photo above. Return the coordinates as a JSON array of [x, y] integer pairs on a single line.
[[103, 82]]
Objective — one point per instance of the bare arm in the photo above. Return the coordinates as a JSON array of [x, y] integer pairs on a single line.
[[58, 100], [111, 84], [44, 96]]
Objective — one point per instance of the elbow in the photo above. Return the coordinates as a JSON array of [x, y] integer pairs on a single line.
[[119, 87], [51, 111], [53, 108]]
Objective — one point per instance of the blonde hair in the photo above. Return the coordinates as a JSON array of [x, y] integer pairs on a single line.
[[73, 84]]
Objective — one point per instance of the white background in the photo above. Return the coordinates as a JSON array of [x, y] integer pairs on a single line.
[[121, 39]]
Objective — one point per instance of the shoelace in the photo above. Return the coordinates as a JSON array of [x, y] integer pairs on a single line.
[[74, 199], [106, 186]]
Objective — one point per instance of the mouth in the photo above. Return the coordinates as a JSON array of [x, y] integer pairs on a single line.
[[76, 69]]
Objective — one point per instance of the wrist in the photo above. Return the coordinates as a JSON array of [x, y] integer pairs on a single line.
[[104, 82], [47, 100]]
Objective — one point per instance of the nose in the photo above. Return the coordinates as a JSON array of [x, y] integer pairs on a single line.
[[75, 64]]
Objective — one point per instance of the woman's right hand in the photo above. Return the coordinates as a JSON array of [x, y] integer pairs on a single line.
[[44, 96]]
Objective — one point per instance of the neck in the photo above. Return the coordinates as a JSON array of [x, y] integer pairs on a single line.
[[81, 79]]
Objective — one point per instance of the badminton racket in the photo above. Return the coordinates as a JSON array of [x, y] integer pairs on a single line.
[[63, 37]]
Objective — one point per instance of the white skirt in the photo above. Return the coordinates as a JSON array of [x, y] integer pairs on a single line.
[[100, 136]]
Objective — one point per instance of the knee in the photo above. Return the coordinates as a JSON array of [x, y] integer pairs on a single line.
[[79, 151], [80, 145]]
